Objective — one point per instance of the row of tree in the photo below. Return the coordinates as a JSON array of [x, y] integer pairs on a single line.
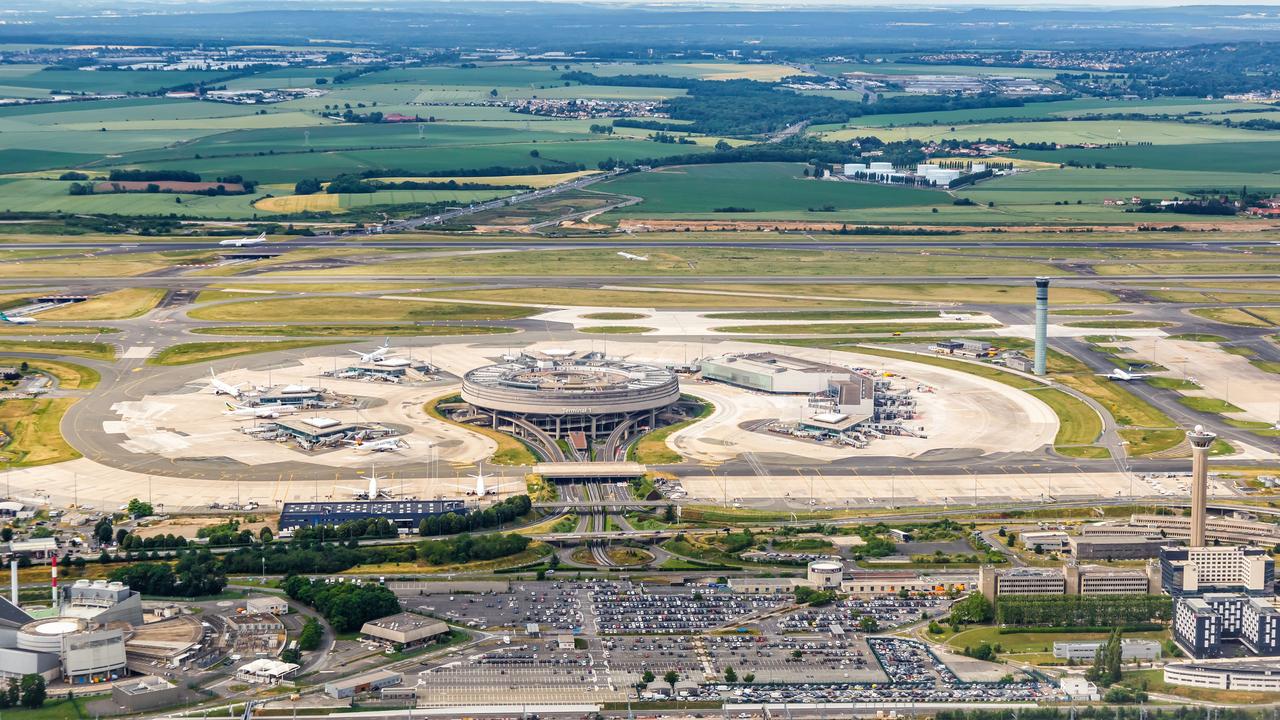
[[1083, 610], [195, 574]]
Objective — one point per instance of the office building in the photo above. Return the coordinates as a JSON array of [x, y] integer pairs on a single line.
[[1114, 547], [1069, 579], [1193, 571], [1086, 650], [405, 629], [774, 373], [1242, 676]]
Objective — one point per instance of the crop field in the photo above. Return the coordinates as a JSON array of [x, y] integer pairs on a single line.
[[1260, 155], [1092, 186], [758, 187], [35, 195], [1064, 132], [1064, 109], [81, 81], [322, 202]]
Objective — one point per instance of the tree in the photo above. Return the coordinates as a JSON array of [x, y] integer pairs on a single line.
[[103, 531], [312, 633], [647, 677], [6, 534], [730, 675], [671, 677], [291, 656], [749, 678], [265, 534], [973, 609], [32, 690], [138, 508], [868, 623]]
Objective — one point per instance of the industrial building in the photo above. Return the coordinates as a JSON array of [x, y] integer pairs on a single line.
[[820, 575], [405, 629], [1130, 649], [1115, 547], [145, 693], [1194, 571], [548, 395], [406, 515], [1202, 624], [268, 604], [1068, 580], [265, 671], [773, 373], [1054, 540]]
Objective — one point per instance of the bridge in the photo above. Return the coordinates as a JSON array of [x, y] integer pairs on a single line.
[[601, 504]]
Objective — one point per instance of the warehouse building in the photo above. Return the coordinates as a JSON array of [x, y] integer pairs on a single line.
[[268, 604], [406, 515], [405, 629], [367, 682], [1054, 540], [1130, 649], [773, 373]]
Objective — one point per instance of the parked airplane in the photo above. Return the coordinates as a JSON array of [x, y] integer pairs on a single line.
[[1123, 375], [241, 242], [253, 412], [372, 492], [222, 388], [391, 444], [481, 487], [19, 320], [379, 354]]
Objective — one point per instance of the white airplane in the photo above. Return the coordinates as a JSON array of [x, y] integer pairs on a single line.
[[481, 488], [19, 320], [630, 256], [372, 492], [391, 444], [1123, 375], [378, 355], [222, 388], [241, 242], [252, 412]]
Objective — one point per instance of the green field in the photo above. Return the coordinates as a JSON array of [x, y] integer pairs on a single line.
[[339, 309], [762, 187], [1063, 132], [1091, 187], [1262, 155], [349, 331]]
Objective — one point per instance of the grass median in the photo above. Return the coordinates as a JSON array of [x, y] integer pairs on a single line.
[[651, 449], [70, 348], [616, 330], [194, 352], [851, 328], [115, 305], [70, 376], [511, 451], [351, 331]]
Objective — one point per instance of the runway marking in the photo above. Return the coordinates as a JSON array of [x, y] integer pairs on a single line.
[[138, 352]]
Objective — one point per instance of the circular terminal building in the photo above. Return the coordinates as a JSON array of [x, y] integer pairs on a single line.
[[559, 392]]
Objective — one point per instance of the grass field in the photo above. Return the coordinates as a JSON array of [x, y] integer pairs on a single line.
[[1232, 316], [1090, 187], [827, 315], [852, 329], [1208, 404], [662, 298], [1034, 642], [1260, 154], [32, 427], [697, 261], [510, 450], [1078, 424], [760, 187], [922, 292], [350, 331], [7, 329], [338, 202], [1063, 132], [70, 348], [115, 305], [338, 309], [193, 352], [70, 376], [1117, 324], [651, 449], [615, 330]]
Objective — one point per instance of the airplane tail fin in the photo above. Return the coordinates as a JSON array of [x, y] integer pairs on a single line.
[[5, 317]]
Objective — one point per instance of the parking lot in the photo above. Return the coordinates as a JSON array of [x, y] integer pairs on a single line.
[[553, 606], [887, 612], [624, 608]]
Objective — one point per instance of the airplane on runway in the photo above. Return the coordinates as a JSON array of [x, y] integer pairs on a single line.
[[391, 444], [253, 412], [481, 488], [19, 320], [372, 492], [241, 242], [1123, 375], [378, 355], [222, 388]]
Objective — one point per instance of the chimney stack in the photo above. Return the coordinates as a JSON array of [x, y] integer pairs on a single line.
[[54, 587], [1200, 440], [13, 581]]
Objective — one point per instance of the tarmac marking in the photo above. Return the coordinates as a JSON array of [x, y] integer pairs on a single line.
[[138, 352]]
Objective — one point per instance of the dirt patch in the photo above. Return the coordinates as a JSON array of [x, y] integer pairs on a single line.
[[188, 527]]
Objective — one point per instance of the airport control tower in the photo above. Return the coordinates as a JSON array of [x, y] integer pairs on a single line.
[[1200, 441], [1042, 323]]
